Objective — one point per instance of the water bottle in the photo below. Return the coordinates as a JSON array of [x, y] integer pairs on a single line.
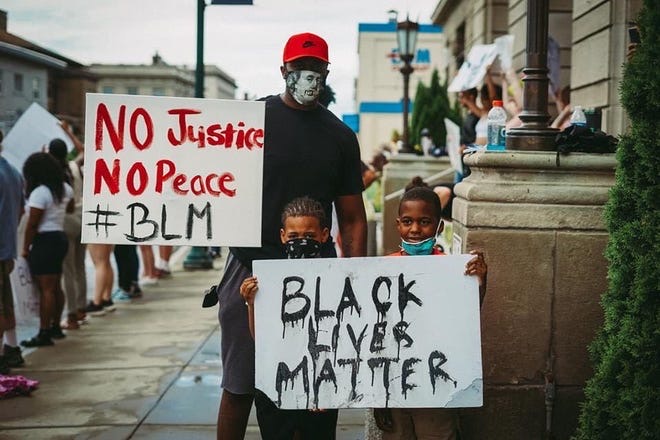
[[496, 123], [578, 117]]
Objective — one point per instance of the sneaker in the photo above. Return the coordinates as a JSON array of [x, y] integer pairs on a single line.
[[163, 273], [13, 356], [108, 305], [42, 339], [120, 295], [70, 323], [56, 332], [149, 281], [135, 291], [94, 310]]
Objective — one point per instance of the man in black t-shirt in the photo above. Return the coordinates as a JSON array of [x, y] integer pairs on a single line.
[[307, 152]]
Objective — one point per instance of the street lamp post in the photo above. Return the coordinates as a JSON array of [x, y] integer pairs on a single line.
[[406, 35], [198, 257]]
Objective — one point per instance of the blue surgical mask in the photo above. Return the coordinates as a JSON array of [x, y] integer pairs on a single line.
[[424, 247]]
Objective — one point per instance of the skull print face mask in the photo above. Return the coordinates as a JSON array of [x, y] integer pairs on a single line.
[[304, 85]]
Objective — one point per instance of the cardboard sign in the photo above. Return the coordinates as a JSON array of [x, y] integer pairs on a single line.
[[26, 293], [177, 171], [454, 145], [368, 332], [32, 133], [474, 68]]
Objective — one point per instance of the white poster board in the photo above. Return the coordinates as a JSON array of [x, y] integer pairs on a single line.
[[177, 171], [327, 332], [454, 145], [474, 67], [26, 293], [504, 46], [32, 132]]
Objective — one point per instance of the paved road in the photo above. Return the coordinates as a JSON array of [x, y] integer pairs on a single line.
[[150, 370]]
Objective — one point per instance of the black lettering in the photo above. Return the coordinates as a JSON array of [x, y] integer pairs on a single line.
[[355, 368], [381, 307], [327, 374], [405, 295], [400, 334], [347, 300], [284, 375], [385, 364], [435, 371], [318, 313], [313, 346], [406, 370], [193, 212], [145, 220], [163, 222], [298, 315], [377, 337]]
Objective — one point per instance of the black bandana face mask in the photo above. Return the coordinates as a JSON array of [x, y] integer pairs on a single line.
[[302, 248]]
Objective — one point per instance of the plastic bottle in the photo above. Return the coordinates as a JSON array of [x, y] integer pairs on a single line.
[[578, 117], [496, 123]]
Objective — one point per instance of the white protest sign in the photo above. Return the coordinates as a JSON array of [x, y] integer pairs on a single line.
[[32, 132], [474, 68], [178, 171], [454, 145], [504, 46], [368, 332], [26, 293]]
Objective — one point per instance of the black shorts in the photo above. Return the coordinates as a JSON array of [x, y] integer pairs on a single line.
[[47, 253], [281, 424]]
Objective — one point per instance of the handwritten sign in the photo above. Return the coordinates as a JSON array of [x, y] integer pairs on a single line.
[[26, 294], [172, 171], [474, 68], [32, 133], [368, 332]]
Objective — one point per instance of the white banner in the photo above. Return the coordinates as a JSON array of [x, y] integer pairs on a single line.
[[32, 133], [26, 293], [178, 171], [368, 332], [474, 68]]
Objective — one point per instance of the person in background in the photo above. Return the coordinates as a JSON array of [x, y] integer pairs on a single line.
[[564, 109], [426, 142], [45, 244], [149, 272], [304, 230], [74, 280], [310, 152], [11, 210], [128, 266], [418, 224], [163, 269]]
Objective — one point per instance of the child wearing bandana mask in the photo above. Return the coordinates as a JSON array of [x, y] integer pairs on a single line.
[[418, 223], [303, 232]]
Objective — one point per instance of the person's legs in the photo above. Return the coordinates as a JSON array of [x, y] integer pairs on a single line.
[[149, 275], [122, 257], [434, 423], [163, 264], [103, 276], [321, 425], [10, 356], [69, 281], [233, 415], [47, 287]]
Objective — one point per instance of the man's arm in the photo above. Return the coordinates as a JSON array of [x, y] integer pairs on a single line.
[[352, 225]]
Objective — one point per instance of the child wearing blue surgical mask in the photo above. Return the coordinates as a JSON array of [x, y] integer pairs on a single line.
[[302, 234], [419, 223]]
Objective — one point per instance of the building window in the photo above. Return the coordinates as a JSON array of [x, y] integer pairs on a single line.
[[36, 88], [108, 89], [18, 82], [158, 91], [132, 90], [459, 45]]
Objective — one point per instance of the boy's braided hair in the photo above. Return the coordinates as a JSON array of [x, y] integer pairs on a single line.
[[417, 189], [305, 207]]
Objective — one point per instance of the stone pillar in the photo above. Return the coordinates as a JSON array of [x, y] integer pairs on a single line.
[[396, 175], [542, 229]]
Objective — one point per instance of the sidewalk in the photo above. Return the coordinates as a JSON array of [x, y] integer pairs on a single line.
[[149, 370]]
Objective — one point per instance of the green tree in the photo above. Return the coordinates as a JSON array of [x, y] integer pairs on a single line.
[[622, 399], [431, 107]]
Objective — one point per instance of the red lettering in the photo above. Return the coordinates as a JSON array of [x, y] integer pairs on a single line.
[[116, 134], [102, 173], [181, 112], [208, 182], [143, 179], [226, 178], [178, 181], [162, 175], [241, 135], [148, 126], [197, 180], [213, 135], [258, 137], [229, 135]]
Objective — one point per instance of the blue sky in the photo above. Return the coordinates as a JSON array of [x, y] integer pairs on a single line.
[[245, 41]]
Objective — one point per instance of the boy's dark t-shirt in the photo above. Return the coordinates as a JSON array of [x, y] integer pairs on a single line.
[[306, 153]]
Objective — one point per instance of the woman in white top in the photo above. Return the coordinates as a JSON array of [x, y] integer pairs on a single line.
[[45, 244]]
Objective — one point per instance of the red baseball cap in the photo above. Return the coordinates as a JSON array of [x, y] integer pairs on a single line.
[[305, 45]]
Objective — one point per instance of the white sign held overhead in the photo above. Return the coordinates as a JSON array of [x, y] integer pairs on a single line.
[[474, 68], [368, 332], [32, 133], [177, 171], [454, 145]]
